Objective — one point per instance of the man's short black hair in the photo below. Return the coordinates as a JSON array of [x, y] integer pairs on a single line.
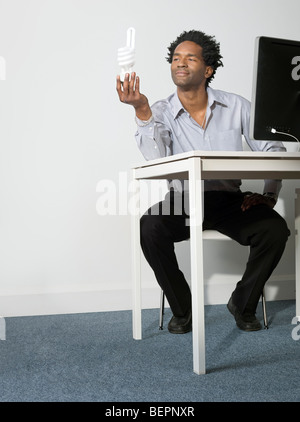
[[210, 49]]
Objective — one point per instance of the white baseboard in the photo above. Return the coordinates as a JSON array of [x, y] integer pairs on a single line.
[[64, 302], [12, 305]]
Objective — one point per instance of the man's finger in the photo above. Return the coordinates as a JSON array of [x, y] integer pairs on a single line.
[[132, 82], [137, 85], [119, 86], [126, 83]]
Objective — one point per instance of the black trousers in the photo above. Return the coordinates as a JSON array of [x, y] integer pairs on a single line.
[[260, 227]]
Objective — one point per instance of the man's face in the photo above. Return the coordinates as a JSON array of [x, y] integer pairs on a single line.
[[188, 68]]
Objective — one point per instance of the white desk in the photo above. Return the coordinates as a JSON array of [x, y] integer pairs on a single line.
[[196, 166]]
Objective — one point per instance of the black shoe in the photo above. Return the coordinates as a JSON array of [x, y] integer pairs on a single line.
[[181, 325], [246, 321]]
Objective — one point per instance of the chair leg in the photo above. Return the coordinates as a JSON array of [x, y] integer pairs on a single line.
[[264, 309], [162, 310]]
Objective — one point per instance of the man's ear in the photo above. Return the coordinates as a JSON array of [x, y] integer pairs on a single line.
[[209, 71]]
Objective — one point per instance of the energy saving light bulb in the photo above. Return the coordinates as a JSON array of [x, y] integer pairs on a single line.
[[126, 55]]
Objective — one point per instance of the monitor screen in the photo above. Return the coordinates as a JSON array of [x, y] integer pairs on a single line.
[[275, 107]]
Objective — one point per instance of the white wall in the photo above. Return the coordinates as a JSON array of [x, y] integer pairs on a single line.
[[62, 130]]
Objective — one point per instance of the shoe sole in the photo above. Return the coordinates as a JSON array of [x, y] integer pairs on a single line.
[[187, 330], [248, 330], [230, 309]]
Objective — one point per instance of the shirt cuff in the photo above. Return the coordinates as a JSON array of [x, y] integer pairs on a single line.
[[143, 123], [272, 186]]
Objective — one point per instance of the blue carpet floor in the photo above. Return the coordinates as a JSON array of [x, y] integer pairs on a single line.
[[93, 358]]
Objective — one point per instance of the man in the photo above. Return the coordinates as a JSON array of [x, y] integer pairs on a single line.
[[196, 117]]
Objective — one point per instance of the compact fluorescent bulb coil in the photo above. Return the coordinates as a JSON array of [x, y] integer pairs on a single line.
[[126, 55]]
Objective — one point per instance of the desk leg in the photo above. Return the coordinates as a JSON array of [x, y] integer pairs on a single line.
[[297, 251], [136, 260], [197, 287]]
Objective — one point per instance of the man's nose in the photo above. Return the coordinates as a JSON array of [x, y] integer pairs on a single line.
[[182, 63]]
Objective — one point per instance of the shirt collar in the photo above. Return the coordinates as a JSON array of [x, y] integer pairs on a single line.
[[214, 97]]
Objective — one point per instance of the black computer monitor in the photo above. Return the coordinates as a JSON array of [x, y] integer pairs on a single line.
[[275, 107]]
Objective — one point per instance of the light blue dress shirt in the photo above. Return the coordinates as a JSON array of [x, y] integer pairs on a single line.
[[173, 131]]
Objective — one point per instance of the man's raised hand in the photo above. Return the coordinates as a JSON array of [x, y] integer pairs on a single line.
[[129, 93]]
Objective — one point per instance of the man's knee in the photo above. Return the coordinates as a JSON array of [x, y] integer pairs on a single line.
[[280, 230], [275, 231]]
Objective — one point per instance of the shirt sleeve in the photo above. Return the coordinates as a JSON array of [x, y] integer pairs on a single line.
[[273, 186], [153, 139]]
